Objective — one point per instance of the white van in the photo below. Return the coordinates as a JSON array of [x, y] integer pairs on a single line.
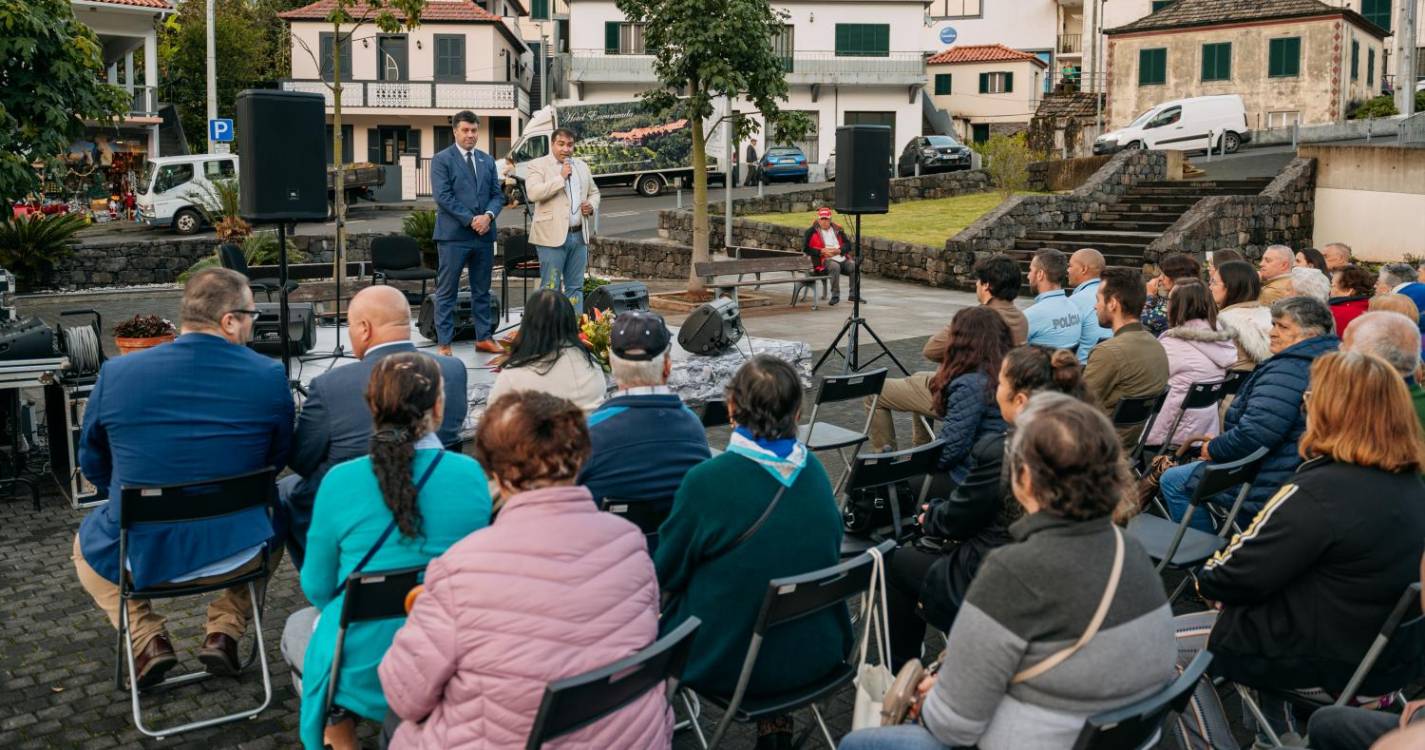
[[175, 185], [1184, 125]]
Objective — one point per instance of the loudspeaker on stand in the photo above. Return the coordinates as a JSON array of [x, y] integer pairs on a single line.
[[281, 138], [863, 169]]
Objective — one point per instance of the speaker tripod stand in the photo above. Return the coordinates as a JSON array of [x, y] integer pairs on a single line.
[[338, 350], [850, 330]]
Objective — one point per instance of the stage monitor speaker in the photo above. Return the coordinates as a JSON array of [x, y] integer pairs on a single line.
[[863, 169], [712, 329], [301, 328], [464, 318], [618, 296], [281, 136]]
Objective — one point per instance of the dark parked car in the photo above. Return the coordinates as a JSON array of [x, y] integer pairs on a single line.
[[936, 153], [783, 163]]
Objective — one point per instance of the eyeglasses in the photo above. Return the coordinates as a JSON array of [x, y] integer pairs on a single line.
[[254, 313]]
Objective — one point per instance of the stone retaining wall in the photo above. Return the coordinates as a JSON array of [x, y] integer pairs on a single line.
[[1283, 213], [925, 187], [1063, 174], [639, 259]]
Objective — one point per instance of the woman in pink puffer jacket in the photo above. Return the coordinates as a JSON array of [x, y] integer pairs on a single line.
[[553, 588], [1199, 350]]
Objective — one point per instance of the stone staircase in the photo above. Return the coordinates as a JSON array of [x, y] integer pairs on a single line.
[[1126, 228]]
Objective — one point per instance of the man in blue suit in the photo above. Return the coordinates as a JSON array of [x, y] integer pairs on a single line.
[[467, 198], [199, 408], [335, 423]]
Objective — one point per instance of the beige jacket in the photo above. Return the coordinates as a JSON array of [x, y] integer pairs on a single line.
[[1278, 288], [545, 189], [571, 376]]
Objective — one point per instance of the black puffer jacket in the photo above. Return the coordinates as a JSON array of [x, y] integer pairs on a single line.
[[1306, 587]]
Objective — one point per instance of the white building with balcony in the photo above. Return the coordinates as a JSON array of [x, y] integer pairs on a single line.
[[847, 63], [124, 27], [399, 90]]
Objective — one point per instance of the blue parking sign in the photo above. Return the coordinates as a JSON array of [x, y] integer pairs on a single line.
[[220, 130]]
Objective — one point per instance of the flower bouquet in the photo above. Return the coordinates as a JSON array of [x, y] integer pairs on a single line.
[[594, 332]]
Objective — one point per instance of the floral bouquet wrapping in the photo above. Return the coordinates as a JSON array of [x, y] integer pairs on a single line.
[[594, 332]]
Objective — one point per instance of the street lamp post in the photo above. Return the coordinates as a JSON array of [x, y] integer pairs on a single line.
[[212, 72]]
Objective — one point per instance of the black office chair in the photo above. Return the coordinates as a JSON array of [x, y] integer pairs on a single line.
[[576, 702], [1140, 726], [377, 595], [190, 503], [231, 257], [870, 473], [397, 257]]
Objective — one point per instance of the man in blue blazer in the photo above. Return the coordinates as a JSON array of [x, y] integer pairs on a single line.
[[467, 198], [202, 407], [335, 423]]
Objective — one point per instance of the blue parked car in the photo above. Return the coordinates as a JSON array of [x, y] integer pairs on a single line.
[[783, 163]]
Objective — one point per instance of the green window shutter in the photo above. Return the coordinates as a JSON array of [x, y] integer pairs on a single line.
[[1008, 82], [1161, 4], [611, 37], [1217, 62], [1152, 66], [881, 35], [1355, 60], [863, 40], [1377, 12], [843, 39], [1293, 56], [984, 83], [942, 84], [1284, 57], [1370, 67], [324, 44], [373, 145], [539, 9]]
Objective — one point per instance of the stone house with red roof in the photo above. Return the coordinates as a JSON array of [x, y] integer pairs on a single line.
[[985, 88]]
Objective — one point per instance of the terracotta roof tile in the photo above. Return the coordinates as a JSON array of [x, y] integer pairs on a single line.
[[1190, 13], [974, 53], [156, 4], [435, 10]]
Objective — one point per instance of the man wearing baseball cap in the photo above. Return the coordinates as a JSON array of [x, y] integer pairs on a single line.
[[644, 438], [826, 244]]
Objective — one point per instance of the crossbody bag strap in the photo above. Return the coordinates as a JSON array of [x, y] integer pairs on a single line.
[[390, 527], [1109, 591]]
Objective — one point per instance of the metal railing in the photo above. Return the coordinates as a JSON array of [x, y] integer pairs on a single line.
[[444, 95], [812, 66], [423, 189], [1071, 44], [145, 101]]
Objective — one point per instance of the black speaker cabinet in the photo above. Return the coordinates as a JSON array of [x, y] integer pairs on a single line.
[[464, 317], [618, 296], [863, 169], [281, 140], [301, 328], [712, 328]]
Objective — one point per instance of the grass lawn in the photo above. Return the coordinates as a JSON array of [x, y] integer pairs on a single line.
[[928, 222]]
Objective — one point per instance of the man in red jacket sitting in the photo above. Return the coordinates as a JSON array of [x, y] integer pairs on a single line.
[[825, 241]]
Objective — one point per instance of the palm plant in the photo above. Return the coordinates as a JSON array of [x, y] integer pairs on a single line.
[[221, 203], [30, 246], [420, 226], [259, 249]]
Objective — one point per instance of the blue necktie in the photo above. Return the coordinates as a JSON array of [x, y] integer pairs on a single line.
[[470, 162]]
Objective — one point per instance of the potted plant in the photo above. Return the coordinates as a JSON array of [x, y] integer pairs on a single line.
[[142, 332]]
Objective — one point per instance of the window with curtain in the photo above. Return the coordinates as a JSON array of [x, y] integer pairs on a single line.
[[1152, 66], [785, 45], [1284, 57], [1217, 62], [622, 38], [863, 40], [996, 83], [449, 57]]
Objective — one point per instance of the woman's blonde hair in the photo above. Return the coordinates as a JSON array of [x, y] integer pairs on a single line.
[[1358, 411], [1397, 303]]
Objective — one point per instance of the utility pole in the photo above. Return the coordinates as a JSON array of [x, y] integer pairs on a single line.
[[212, 71], [1405, 58]]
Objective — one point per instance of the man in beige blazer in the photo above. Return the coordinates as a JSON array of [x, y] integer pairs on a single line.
[[565, 200]]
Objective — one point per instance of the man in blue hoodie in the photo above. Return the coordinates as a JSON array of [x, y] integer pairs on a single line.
[[644, 439]]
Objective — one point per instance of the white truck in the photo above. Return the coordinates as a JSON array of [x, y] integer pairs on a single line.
[[623, 145]]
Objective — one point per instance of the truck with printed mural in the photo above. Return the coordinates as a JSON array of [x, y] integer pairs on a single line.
[[624, 144]]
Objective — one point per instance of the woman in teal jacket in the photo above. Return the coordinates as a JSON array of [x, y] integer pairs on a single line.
[[428, 498]]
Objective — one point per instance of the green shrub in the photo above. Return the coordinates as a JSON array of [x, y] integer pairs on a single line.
[[420, 226], [31, 246], [1006, 160], [593, 282], [1381, 106]]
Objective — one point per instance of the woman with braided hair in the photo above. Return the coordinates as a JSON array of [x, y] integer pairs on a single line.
[[400, 506]]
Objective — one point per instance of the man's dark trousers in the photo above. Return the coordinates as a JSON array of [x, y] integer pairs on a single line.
[[454, 258]]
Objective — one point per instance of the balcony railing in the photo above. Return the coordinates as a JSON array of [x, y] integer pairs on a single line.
[[443, 95], [897, 67], [145, 101], [1071, 44]]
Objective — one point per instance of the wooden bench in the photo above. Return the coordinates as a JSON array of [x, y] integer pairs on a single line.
[[798, 266]]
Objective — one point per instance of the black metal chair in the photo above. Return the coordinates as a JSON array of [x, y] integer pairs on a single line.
[[714, 414], [789, 599], [231, 257], [824, 436], [576, 702], [192, 502], [1140, 725], [647, 515], [1201, 396], [873, 471], [519, 260], [1136, 410], [370, 596], [397, 257]]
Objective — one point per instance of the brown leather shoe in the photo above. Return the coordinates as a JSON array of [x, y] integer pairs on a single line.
[[154, 661], [219, 655], [489, 347], [444, 350]]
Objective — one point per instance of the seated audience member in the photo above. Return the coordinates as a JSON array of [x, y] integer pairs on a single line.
[[548, 356], [723, 583], [1351, 291], [1053, 319], [1235, 288], [1399, 278], [1309, 282], [644, 439], [1132, 363], [1397, 303], [553, 588], [1394, 339], [1171, 269], [1299, 597], [825, 242], [1337, 256], [976, 517], [398, 507], [335, 422], [965, 384], [996, 286], [1352, 728], [1038, 595], [1086, 273], [1198, 351], [1265, 414], [1274, 269], [1310, 257], [1227, 255], [201, 407]]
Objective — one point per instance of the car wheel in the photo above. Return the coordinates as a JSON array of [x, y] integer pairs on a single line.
[[1231, 142], [649, 185], [1134, 145], [187, 221]]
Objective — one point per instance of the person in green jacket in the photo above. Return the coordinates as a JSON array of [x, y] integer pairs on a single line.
[[404, 504], [706, 575]]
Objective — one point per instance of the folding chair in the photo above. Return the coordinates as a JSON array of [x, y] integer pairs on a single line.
[[1404, 621], [1139, 726], [871, 471], [1137, 410], [824, 436], [576, 702], [1176, 546], [714, 414], [789, 599], [231, 257], [370, 596], [1201, 396], [189, 503], [397, 257]]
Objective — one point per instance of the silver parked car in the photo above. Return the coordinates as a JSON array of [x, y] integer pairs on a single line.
[[831, 167]]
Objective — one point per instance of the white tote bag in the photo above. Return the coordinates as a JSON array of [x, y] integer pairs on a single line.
[[873, 681]]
